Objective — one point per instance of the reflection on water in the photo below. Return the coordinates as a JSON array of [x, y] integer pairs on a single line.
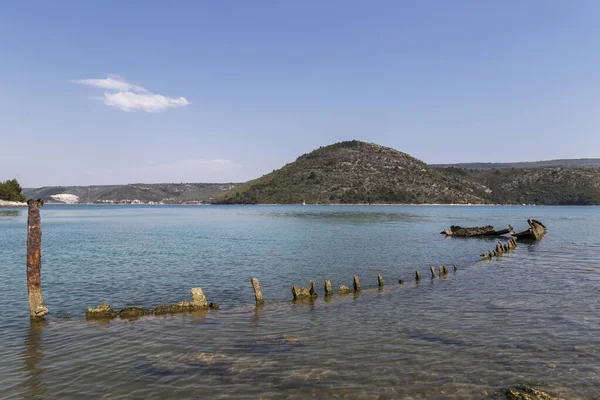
[[10, 213], [530, 317], [32, 355]]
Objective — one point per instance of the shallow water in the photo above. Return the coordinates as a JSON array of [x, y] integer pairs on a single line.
[[531, 317]]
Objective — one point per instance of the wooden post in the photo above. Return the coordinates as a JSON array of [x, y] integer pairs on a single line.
[[257, 293], [455, 268], [328, 289], [379, 281], [34, 259], [356, 284], [417, 275], [432, 271]]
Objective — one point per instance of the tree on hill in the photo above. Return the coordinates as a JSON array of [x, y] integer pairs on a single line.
[[10, 190]]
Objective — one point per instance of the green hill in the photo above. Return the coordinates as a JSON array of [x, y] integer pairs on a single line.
[[357, 172]]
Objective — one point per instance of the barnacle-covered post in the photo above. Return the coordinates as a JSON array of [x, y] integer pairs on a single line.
[[257, 293], [34, 259]]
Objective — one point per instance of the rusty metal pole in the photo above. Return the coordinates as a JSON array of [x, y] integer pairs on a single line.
[[34, 259]]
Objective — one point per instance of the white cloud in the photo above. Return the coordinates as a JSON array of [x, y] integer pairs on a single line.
[[129, 97], [110, 83], [130, 101]]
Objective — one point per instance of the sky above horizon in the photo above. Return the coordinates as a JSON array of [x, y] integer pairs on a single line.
[[196, 91]]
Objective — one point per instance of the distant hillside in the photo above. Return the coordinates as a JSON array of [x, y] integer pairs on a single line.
[[143, 193], [565, 163], [358, 172], [559, 186]]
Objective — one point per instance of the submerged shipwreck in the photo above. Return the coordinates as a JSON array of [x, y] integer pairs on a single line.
[[535, 231], [488, 230]]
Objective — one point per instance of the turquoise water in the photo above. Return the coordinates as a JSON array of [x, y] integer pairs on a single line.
[[531, 317]]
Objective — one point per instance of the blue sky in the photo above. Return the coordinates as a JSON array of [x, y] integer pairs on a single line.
[[210, 91]]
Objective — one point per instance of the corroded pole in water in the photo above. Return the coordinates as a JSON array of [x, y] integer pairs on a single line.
[[34, 260], [257, 293]]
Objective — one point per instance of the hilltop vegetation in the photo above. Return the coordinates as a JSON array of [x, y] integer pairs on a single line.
[[364, 173], [357, 172], [10, 190]]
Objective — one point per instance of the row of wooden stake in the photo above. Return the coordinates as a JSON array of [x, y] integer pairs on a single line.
[[310, 292]]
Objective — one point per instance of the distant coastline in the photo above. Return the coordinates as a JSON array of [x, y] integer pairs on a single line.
[[4, 203]]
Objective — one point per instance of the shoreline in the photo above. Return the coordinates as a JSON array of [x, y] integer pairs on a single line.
[[5, 203]]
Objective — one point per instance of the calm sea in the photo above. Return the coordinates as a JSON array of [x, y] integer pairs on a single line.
[[531, 317]]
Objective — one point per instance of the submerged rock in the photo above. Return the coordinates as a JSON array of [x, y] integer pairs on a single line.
[[181, 307], [524, 393], [135, 312], [214, 305], [344, 290], [198, 303], [103, 311]]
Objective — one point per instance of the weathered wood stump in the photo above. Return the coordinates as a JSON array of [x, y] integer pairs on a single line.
[[198, 298], [34, 260], [308, 292], [257, 293], [380, 282], [328, 289], [432, 271], [356, 284], [417, 275]]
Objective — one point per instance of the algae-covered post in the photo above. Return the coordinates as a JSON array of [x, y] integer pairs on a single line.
[[257, 293], [328, 289], [34, 259]]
